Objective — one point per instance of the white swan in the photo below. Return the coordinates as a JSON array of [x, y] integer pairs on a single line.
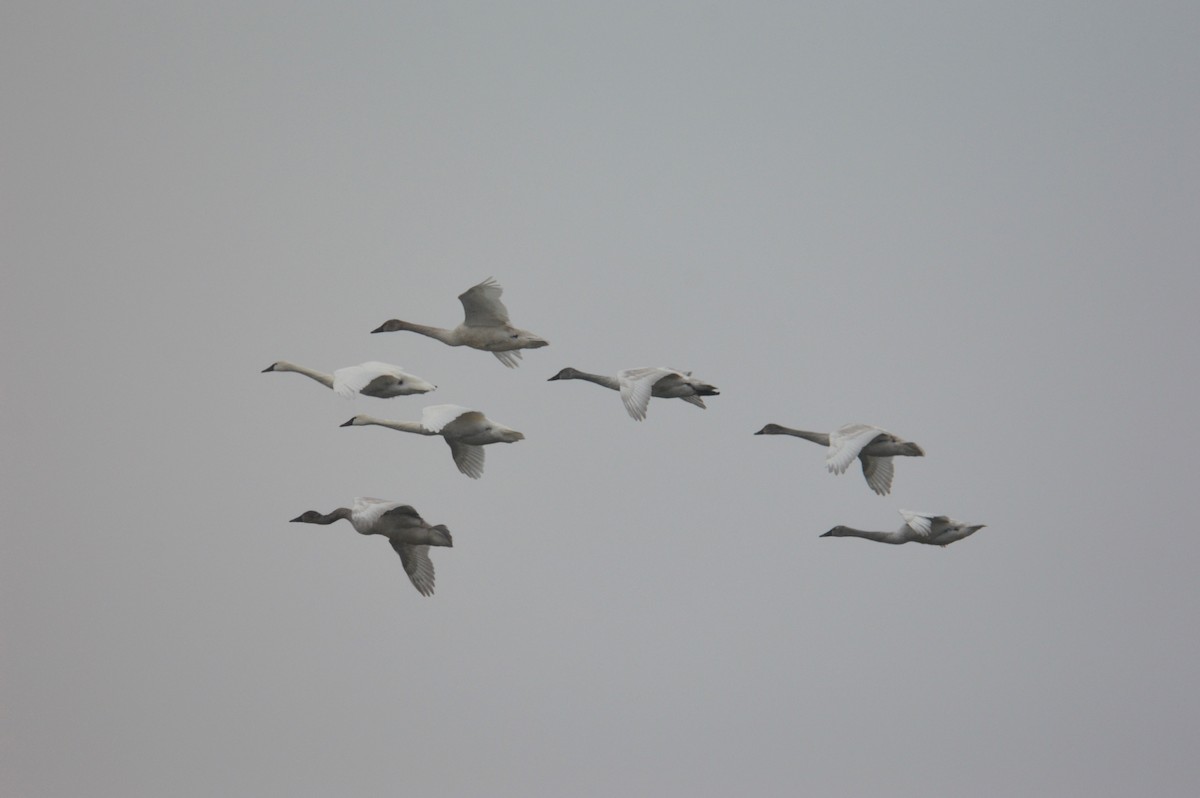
[[381, 380], [485, 327], [874, 448], [638, 385], [467, 431], [408, 533], [936, 530]]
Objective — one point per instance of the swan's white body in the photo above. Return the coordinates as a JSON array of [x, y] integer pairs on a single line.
[[404, 528], [381, 380], [871, 446], [466, 431], [638, 385], [378, 379], [934, 530], [485, 326]]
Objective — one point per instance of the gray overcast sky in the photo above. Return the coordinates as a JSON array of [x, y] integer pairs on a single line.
[[972, 224]]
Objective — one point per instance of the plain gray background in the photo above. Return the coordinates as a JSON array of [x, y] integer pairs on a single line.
[[973, 224]]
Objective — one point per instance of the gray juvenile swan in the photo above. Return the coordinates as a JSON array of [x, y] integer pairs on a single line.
[[408, 533], [485, 327], [638, 385], [936, 530], [381, 380], [874, 448], [467, 431]]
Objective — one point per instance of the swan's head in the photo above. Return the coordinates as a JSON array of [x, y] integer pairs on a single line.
[[838, 532], [440, 536], [357, 421], [271, 367], [772, 429], [308, 517], [566, 374], [391, 325]]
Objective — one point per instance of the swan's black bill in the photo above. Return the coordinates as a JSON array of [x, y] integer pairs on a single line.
[[349, 423]]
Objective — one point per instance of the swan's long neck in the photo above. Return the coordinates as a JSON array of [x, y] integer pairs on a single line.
[[816, 437], [402, 426], [319, 376], [599, 379], [445, 336], [336, 515], [870, 534]]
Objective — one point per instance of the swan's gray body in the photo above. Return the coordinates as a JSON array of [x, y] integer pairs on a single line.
[[466, 431], [381, 380], [872, 446], [638, 385], [404, 528], [934, 530], [485, 326]]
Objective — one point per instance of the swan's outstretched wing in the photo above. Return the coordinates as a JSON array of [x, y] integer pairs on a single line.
[[482, 306], [845, 444], [509, 357], [468, 457], [435, 417], [695, 400], [637, 385], [417, 565], [878, 471]]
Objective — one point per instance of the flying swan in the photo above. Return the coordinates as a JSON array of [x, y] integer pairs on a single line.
[[638, 385], [408, 533], [936, 530], [381, 380], [467, 431], [874, 448], [485, 327]]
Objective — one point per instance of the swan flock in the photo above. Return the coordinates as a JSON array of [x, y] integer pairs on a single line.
[[486, 327]]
